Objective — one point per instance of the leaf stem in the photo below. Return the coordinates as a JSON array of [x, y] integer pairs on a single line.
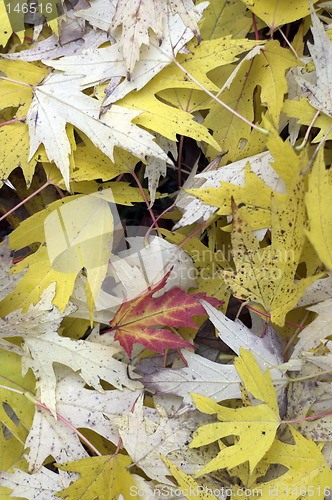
[[201, 227], [153, 224], [307, 377], [13, 121], [305, 139], [138, 182], [260, 129], [11, 389], [312, 417], [48, 182], [253, 17], [15, 81], [66, 422], [180, 161]]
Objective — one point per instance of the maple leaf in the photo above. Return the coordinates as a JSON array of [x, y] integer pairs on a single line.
[[190, 486], [200, 376], [96, 65], [59, 96], [269, 69], [258, 213], [84, 408], [256, 426], [11, 368], [319, 93], [266, 275], [15, 137], [308, 470], [42, 485], [105, 477], [200, 207], [319, 329], [7, 281], [278, 12], [93, 360], [318, 200], [146, 433], [134, 320], [137, 19], [69, 245]]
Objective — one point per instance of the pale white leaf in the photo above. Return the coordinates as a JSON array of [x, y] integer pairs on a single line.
[[201, 376], [7, 281], [58, 100], [319, 328], [147, 433], [104, 64], [40, 486], [236, 335], [319, 92], [137, 18], [83, 408], [318, 291], [94, 362]]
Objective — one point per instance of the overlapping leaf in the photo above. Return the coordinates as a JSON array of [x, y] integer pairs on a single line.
[[135, 319]]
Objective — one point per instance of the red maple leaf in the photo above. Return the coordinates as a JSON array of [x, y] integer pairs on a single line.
[[135, 318]]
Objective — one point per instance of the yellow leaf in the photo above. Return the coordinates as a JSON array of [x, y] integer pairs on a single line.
[[11, 454], [189, 487], [257, 209], [266, 275], [15, 142], [207, 263], [104, 477], [318, 203], [53, 263], [169, 121], [258, 384], [266, 70], [224, 17], [15, 151], [11, 369], [304, 114], [308, 474], [255, 426], [6, 29], [278, 12]]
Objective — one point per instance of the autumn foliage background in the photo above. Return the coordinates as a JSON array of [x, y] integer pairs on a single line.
[[166, 256]]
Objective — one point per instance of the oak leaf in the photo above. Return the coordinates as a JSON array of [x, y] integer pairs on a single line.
[[134, 320]]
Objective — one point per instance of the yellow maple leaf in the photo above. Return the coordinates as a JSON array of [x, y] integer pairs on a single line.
[[258, 209], [255, 426], [15, 142], [318, 203], [278, 12], [104, 477], [266, 275], [308, 474], [266, 69], [168, 120], [222, 18], [189, 487]]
